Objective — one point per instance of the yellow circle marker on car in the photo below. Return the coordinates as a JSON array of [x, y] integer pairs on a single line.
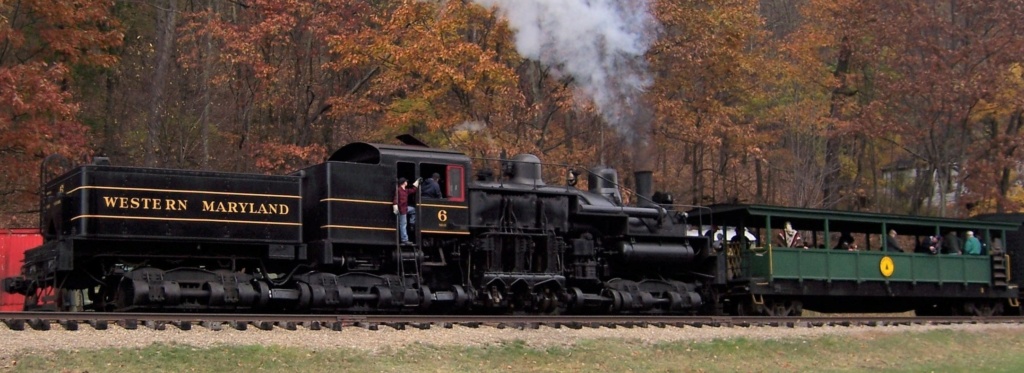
[[886, 266]]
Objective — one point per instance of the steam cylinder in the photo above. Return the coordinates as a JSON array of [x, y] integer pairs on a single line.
[[655, 254]]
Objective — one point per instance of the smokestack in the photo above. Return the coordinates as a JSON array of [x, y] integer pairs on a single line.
[[644, 187]]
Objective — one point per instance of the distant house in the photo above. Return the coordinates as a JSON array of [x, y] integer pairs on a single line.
[[903, 176]]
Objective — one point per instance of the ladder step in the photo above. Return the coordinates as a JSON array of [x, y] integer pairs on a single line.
[[409, 264]]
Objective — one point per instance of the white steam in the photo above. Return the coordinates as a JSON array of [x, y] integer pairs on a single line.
[[471, 126], [600, 43]]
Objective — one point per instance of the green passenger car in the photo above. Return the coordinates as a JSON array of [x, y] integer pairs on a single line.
[[792, 259], [862, 266]]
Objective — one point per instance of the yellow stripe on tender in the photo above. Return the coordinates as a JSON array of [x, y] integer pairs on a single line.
[[187, 191], [182, 219], [358, 227], [388, 229], [355, 201], [389, 203], [443, 206], [445, 232]]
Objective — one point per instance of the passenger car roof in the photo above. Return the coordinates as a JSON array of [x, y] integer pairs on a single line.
[[853, 221]]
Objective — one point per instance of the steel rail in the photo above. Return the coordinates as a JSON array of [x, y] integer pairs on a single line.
[[216, 321]]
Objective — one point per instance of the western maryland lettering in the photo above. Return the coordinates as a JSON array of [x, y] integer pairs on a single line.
[[180, 208], [245, 208], [137, 203], [207, 206]]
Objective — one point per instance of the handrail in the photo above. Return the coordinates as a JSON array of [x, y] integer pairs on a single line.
[[1009, 272]]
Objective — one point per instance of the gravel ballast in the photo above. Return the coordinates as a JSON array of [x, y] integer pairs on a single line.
[[387, 339]]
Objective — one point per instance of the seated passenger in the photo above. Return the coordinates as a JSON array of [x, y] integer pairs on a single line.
[[890, 242], [951, 244], [789, 237], [845, 240], [997, 246], [847, 246], [715, 236], [929, 245], [738, 237], [972, 246]]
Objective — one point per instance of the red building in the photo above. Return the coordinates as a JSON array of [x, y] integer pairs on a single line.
[[13, 244]]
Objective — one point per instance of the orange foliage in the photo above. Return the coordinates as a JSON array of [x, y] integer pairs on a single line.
[[709, 73], [274, 157], [779, 102], [43, 40]]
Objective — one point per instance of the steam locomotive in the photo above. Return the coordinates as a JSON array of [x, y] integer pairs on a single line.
[[324, 239]]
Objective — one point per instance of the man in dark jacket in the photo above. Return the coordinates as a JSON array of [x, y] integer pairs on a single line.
[[951, 244], [846, 242], [930, 245], [406, 214], [431, 188], [890, 242]]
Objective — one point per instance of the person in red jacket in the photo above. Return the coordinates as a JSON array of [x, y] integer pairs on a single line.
[[400, 206]]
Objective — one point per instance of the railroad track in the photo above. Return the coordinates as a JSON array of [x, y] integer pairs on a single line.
[[71, 321]]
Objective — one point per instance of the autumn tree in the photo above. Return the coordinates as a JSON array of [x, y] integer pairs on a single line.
[[937, 64], [298, 78], [883, 82], [817, 155], [784, 102], [41, 43], [707, 68], [445, 68], [993, 172]]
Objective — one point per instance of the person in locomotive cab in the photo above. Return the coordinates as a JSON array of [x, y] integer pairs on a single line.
[[972, 246], [890, 242], [789, 237], [406, 214], [432, 188]]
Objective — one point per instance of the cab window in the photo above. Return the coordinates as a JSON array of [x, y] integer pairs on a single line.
[[456, 192]]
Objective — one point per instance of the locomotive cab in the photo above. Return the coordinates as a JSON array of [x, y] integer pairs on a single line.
[[349, 201]]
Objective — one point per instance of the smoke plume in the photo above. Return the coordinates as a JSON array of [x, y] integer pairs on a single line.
[[599, 43]]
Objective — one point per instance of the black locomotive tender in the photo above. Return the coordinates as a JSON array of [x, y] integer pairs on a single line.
[[324, 239]]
